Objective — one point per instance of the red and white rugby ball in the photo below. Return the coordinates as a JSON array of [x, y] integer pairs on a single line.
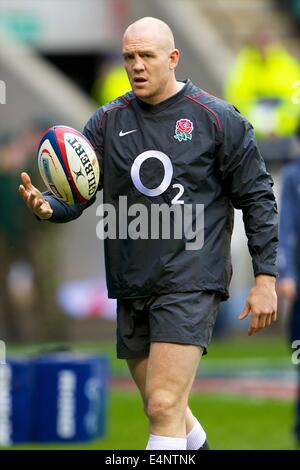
[[68, 165]]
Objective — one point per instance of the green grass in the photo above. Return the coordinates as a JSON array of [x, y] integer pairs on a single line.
[[239, 423], [259, 351], [231, 423], [249, 347]]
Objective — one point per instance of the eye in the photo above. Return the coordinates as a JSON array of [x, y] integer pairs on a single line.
[[146, 54], [127, 57]]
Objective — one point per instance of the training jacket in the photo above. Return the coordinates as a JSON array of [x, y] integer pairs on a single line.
[[204, 147]]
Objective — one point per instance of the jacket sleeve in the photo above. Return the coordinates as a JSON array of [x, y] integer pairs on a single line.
[[249, 187], [287, 228], [63, 212]]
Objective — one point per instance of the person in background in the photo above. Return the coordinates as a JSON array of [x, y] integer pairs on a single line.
[[111, 82], [288, 284], [28, 270], [260, 85]]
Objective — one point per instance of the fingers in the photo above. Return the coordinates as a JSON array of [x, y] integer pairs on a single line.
[[26, 188], [268, 320], [262, 301], [260, 321], [31, 198], [253, 326], [34, 199], [245, 311], [24, 194], [28, 196], [26, 181], [37, 205], [29, 193]]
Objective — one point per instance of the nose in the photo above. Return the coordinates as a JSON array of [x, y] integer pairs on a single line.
[[138, 65]]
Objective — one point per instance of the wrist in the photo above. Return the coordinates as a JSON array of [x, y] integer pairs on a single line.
[[265, 279]]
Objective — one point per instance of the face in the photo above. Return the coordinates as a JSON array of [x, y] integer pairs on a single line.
[[150, 67]]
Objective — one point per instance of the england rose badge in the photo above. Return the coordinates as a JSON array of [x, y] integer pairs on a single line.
[[183, 130]]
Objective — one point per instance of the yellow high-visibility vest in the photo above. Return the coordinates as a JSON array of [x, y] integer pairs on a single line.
[[253, 78]]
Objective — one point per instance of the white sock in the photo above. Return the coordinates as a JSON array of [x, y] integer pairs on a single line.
[[196, 437], [166, 443]]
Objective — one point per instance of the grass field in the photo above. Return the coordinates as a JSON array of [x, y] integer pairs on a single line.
[[232, 422], [262, 351]]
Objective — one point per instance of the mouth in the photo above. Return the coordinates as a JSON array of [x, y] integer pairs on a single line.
[[139, 81]]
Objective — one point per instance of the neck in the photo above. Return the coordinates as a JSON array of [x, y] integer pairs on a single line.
[[174, 88]]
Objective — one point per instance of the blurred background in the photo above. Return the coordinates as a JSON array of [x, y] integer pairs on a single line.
[[60, 60]]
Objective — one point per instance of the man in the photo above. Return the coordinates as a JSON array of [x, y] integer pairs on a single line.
[[288, 286], [169, 143]]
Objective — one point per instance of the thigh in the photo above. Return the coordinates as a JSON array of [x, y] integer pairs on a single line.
[[171, 369]]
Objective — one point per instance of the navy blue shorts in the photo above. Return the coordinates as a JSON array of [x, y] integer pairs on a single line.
[[184, 318]]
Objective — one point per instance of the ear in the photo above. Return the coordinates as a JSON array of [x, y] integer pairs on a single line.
[[174, 59]]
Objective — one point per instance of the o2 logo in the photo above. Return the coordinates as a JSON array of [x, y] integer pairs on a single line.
[[165, 183]]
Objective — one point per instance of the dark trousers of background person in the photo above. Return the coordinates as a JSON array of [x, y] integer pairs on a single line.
[[294, 334], [30, 316]]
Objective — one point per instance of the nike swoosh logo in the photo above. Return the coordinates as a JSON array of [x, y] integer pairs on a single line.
[[121, 133]]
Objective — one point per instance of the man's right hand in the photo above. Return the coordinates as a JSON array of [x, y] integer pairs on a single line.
[[34, 199]]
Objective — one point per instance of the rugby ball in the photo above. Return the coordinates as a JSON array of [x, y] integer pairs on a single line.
[[68, 165]]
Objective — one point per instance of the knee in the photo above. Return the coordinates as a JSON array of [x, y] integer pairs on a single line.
[[161, 405]]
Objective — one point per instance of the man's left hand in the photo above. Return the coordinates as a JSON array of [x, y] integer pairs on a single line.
[[262, 302]]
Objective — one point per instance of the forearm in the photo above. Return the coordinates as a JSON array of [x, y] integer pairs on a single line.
[[261, 226], [63, 212]]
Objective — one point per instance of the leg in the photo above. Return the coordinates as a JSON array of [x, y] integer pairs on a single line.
[[190, 420], [196, 436], [172, 365], [170, 374], [297, 421], [294, 329], [138, 370], [165, 373]]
